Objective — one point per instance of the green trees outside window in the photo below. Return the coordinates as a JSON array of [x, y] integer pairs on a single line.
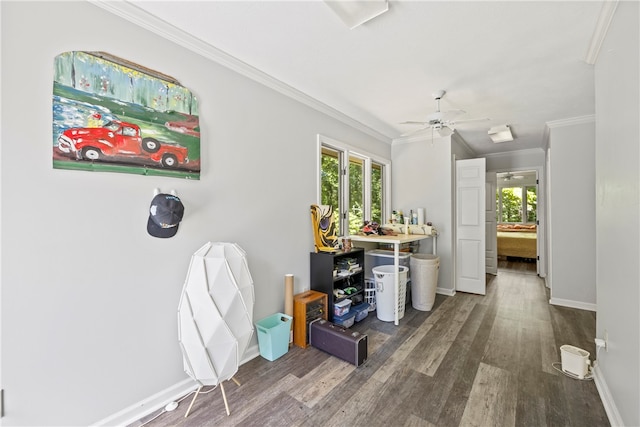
[[330, 183], [356, 192], [510, 204], [376, 193]]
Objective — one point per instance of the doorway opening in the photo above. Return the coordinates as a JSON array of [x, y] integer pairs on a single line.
[[517, 220]]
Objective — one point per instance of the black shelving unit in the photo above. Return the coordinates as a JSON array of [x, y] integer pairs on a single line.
[[322, 267]]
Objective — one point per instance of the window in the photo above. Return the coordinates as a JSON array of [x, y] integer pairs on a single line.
[[532, 204], [510, 204], [517, 202], [354, 183], [356, 194], [330, 182], [377, 207]]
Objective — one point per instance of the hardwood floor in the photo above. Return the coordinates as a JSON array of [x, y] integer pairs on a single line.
[[471, 361]]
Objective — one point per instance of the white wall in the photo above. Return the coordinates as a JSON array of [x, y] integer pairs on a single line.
[[515, 160], [423, 177], [89, 299], [617, 186], [572, 215]]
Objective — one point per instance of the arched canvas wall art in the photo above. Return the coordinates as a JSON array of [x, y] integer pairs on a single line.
[[112, 115]]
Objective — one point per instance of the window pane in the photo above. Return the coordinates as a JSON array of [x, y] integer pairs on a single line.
[[376, 193], [532, 204], [330, 184], [356, 191], [511, 204]]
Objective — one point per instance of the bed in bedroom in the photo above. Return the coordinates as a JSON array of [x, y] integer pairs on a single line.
[[516, 240]]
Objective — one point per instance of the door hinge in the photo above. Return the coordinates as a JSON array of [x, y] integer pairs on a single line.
[[537, 181], [1, 403]]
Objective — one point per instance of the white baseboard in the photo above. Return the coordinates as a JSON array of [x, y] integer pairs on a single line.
[[150, 404], [573, 304], [607, 400], [159, 400], [446, 291]]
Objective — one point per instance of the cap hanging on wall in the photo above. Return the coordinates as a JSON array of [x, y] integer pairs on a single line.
[[165, 214]]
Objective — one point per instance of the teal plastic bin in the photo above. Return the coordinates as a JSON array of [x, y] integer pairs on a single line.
[[273, 335]]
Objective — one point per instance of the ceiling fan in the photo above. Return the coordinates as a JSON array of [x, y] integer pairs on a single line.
[[441, 122], [509, 176]]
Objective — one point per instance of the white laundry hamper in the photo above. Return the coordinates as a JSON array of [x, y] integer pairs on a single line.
[[385, 278], [424, 280]]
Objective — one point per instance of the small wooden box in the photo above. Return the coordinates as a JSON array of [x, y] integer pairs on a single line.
[[307, 307]]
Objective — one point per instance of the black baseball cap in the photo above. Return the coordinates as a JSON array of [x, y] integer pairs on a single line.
[[165, 214]]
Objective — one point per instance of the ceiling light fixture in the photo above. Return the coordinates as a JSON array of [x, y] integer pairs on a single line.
[[356, 12], [500, 134]]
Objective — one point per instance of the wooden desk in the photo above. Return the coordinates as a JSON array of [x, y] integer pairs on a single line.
[[396, 241]]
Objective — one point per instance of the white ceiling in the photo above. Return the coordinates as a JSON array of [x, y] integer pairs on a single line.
[[516, 62]]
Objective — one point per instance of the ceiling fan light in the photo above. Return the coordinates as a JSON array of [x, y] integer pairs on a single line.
[[356, 12], [500, 134]]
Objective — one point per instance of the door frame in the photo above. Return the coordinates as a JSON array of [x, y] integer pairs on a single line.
[[541, 265], [490, 221]]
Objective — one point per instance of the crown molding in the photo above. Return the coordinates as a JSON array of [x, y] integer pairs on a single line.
[[591, 118], [167, 31], [600, 32], [455, 136], [509, 154]]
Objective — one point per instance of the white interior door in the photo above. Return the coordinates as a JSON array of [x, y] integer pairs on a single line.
[[470, 226], [491, 252]]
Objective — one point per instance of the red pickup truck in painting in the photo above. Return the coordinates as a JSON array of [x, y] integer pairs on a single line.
[[119, 140]]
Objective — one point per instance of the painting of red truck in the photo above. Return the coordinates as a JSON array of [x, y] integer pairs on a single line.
[[112, 115]]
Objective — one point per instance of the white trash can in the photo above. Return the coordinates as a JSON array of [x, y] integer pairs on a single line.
[[424, 280], [376, 257], [385, 278]]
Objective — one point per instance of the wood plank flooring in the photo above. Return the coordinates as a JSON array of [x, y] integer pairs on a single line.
[[471, 361]]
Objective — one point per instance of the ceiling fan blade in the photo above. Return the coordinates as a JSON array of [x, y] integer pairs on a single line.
[[415, 123], [443, 116], [457, 122]]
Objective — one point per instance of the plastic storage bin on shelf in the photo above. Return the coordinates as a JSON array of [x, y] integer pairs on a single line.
[[424, 281], [273, 335], [385, 277], [361, 311], [346, 319], [342, 307]]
